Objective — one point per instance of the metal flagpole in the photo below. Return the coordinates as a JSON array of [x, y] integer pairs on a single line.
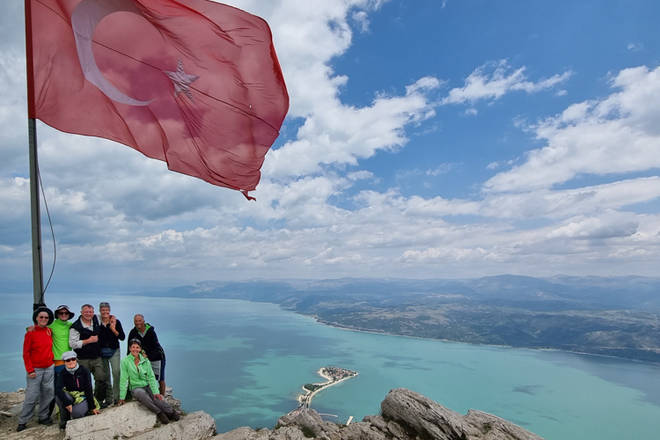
[[37, 265]]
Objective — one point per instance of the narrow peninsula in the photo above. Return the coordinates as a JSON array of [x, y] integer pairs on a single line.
[[332, 375]]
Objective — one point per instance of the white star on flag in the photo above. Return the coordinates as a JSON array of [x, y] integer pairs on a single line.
[[181, 80]]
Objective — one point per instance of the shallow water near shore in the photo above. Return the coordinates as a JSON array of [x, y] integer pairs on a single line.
[[244, 363]]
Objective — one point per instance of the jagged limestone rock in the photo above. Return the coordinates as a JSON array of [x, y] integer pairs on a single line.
[[195, 426], [243, 433], [362, 430], [377, 421], [427, 419], [11, 405], [246, 433], [495, 428], [123, 421], [396, 430], [422, 415], [310, 423], [288, 433], [134, 421]]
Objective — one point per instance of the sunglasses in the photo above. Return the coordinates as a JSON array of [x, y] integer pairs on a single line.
[[42, 317], [70, 360]]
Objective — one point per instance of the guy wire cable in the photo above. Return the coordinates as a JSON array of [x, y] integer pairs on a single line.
[[52, 231]]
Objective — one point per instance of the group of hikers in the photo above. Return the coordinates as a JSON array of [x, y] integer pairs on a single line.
[[62, 355]]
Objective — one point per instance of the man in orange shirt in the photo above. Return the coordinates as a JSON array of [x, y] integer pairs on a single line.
[[38, 359]]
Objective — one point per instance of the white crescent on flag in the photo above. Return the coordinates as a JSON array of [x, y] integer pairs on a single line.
[[86, 16]]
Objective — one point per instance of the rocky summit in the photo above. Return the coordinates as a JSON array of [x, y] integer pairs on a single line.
[[404, 415]]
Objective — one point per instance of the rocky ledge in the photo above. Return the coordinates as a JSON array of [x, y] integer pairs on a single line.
[[404, 415]]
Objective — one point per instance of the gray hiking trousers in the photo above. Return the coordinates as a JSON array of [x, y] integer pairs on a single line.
[[40, 389], [146, 398]]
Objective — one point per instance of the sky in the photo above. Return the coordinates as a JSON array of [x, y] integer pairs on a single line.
[[424, 139]]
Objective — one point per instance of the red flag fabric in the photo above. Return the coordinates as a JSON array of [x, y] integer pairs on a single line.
[[191, 82]]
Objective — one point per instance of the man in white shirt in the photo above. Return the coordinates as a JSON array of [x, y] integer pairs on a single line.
[[84, 340]]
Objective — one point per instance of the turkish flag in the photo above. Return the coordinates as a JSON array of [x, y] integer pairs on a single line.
[[191, 82]]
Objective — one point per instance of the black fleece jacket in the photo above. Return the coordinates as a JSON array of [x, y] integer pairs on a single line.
[[150, 343], [79, 380]]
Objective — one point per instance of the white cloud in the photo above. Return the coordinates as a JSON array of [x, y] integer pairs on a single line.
[[14, 209], [446, 254], [618, 134], [13, 112], [423, 84], [417, 174], [362, 19], [569, 202], [440, 169], [609, 226], [360, 175], [540, 204], [484, 85], [335, 134], [388, 234], [498, 164]]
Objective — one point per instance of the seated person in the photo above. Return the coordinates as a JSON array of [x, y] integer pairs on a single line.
[[146, 333], [73, 390], [138, 377]]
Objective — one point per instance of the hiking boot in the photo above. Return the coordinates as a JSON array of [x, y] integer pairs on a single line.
[[162, 417], [174, 416], [46, 422], [20, 427]]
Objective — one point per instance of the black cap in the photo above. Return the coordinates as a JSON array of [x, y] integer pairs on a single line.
[[64, 307], [40, 309]]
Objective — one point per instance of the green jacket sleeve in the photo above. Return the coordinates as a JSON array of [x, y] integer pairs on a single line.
[[123, 379]]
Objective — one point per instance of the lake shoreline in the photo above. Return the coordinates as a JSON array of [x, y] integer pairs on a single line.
[[476, 344]]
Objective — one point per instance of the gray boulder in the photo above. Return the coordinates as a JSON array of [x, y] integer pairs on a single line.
[[134, 421], [422, 417], [195, 426], [121, 422]]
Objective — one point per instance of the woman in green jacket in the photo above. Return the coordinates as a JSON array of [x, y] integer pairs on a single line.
[[137, 376], [60, 328]]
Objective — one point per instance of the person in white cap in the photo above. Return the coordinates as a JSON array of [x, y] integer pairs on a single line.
[[73, 390]]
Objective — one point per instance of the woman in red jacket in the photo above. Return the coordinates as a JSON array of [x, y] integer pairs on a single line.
[[38, 359]]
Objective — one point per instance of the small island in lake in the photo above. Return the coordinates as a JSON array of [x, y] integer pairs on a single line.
[[332, 375]]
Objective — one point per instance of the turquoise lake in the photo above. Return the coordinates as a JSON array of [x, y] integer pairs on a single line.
[[245, 363]]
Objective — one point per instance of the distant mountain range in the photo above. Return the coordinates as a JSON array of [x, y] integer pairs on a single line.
[[617, 316]]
